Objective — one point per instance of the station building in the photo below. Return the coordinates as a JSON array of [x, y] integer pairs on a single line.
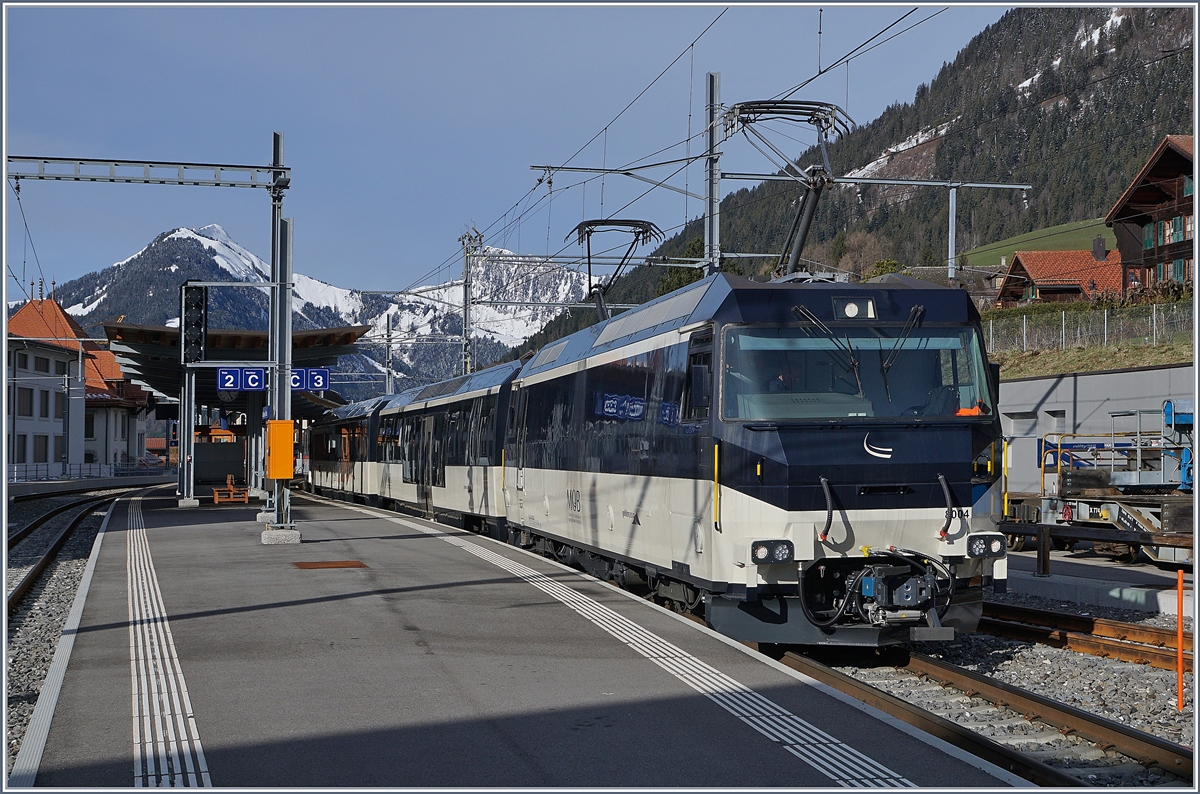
[[45, 409], [108, 432]]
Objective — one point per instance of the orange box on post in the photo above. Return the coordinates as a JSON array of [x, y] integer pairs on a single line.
[[281, 452]]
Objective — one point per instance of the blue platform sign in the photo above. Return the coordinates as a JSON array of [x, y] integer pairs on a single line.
[[254, 379], [229, 379], [298, 378], [318, 379]]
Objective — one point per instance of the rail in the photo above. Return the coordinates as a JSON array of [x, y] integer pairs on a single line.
[[27, 530], [27, 581], [1113, 639], [964, 738], [1145, 748]]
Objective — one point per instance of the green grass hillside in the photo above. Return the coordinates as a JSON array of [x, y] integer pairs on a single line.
[[1076, 236]]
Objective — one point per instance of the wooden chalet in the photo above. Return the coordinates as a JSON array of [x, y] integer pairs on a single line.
[[1044, 276], [1154, 221]]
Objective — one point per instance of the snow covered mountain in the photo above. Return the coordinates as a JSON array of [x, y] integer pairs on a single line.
[[144, 288]]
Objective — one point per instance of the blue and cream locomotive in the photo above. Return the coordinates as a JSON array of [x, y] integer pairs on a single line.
[[808, 461]]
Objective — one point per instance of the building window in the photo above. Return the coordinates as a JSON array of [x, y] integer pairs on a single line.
[[41, 449], [22, 361], [60, 455], [19, 454], [89, 425], [44, 404], [89, 457], [124, 426], [60, 368], [1148, 236], [60, 405], [24, 401], [1177, 229], [41, 364], [1187, 186]]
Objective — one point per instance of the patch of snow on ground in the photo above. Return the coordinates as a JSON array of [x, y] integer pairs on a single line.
[[80, 309], [912, 141], [172, 323], [343, 301], [1025, 86], [229, 256]]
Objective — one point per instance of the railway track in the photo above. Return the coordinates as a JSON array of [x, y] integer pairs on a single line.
[[1034, 737], [19, 535], [1127, 642], [42, 561]]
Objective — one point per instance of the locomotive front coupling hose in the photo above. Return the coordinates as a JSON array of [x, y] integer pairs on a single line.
[[829, 510], [949, 506]]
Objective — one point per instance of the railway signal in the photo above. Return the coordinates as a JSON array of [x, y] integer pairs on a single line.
[[193, 323]]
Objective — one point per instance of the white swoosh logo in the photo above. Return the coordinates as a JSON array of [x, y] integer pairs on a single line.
[[879, 452]]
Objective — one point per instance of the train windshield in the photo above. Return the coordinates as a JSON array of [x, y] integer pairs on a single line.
[[801, 372]]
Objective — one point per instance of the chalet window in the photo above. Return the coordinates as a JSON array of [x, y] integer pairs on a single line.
[[1189, 227], [1177, 270], [1148, 236], [1177, 230], [1187, 186]]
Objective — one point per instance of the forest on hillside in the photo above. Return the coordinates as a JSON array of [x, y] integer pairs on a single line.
[[1069, 100]]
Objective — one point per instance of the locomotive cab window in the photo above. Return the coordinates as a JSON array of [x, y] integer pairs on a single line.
[[800, 372]]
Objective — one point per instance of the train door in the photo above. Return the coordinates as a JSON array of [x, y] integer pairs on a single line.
[[692, 497], [522, 404], [425, 467], [345, 463]]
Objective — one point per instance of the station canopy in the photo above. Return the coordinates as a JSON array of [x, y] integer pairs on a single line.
[[149, 356]]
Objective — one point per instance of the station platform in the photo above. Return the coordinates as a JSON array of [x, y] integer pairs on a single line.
[[203, 657], [1085, 577]]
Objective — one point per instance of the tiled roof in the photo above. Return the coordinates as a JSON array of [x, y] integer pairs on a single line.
[[45, 319], [42, 319], [1062, 268]]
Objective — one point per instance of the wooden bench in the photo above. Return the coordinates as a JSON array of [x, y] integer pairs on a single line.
[[230, 493]]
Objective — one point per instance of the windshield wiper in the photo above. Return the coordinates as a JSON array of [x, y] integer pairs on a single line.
[[914, 314], [804, 313]]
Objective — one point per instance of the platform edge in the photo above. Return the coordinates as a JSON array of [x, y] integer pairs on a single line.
[[33, 744]]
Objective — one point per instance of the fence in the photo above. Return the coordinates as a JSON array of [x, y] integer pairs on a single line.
[[1156, 324], [26, 472]]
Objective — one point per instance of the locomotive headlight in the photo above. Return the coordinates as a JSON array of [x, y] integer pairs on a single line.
[[985, 544], [770, 552], [854, 308]]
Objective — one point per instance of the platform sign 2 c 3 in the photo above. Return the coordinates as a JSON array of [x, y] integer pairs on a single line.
[[310, 379], [241, 379]]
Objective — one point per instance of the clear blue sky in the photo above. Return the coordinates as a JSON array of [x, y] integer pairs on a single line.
[[406, 125]]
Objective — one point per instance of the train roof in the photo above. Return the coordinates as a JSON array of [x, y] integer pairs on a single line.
[[727, 298], [482, 381], [356, 410]]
